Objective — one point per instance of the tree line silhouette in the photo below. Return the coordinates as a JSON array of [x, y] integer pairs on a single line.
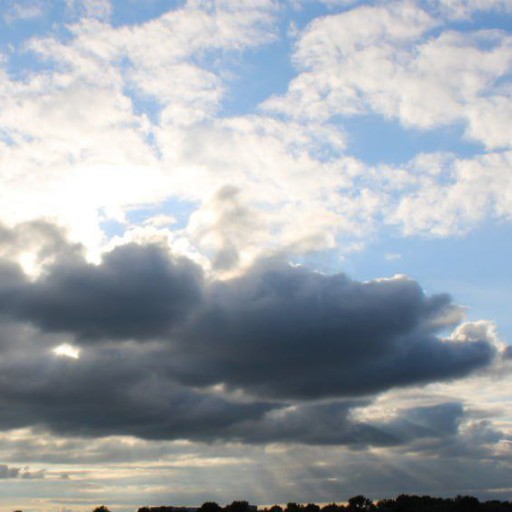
[[359, 503]]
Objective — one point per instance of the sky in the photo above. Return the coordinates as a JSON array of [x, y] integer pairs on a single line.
[[254, 249]]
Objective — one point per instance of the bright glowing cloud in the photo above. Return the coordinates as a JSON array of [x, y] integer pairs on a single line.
[[66, 350]]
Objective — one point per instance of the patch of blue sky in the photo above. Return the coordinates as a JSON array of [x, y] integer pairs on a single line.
[[327, 261], [470, 268], [10, 139], [267, 71], [113, 228], [146, 106], [143, 104], [17, 27], [179, 209], [505, 82], [22, 64], [263, 72], [135, 12], [302, 13], [485, 20], [375, 139], [492, 20], [15, 34]]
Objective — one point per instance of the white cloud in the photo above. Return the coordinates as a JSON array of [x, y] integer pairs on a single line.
[[451, 196], [82, 125], [75, 131], [385, 60], [22, 10], [473, 331], [98, 9], [293, 177], [465, 8]]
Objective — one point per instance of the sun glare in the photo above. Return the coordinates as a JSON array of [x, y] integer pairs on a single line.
[[66, 350]]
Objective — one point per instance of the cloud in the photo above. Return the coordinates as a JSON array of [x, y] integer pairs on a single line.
[[158, 106], [465, 8], [8, 473], [333, 424], [443, 195], [22, 10], [168, 353], [220, 227], [387, 60], [56, 147], [137, 292], [98, 400], [289, 332], [100, 9]]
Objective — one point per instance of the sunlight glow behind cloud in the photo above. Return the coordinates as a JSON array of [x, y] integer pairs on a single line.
[[66, 350]]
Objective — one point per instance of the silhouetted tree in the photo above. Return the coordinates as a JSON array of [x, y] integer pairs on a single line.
[[466, 504], [333, 507], [238, 506], [294, 507], [360, 503], [102, 508], [385, 505], [209, 506]]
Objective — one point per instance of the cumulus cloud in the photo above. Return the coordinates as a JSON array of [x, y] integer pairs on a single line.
[[93, 88], [287, 331], [137, 292], [167, 352], [386, 59], [221, 225], [438, 194], [153, 102]]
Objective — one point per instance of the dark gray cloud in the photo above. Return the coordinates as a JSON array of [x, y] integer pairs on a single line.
[[126, 390], [163, 349], [438, 421], [137, 292], [331, 424], [112, 391], [7, 473], [288, 332]]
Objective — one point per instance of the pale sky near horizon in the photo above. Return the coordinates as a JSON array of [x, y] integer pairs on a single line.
[[254, 249]]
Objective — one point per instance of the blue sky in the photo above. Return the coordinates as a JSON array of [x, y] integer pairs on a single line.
[[252, 213]]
